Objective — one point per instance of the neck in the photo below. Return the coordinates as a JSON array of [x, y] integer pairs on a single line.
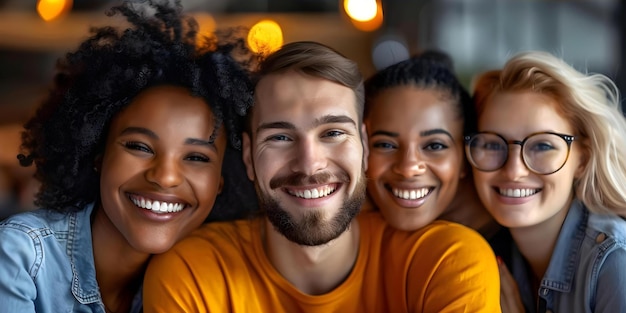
[[536, 243], [119, 267], [313, 270]]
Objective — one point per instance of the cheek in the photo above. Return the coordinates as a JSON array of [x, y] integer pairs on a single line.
[[447, 170], [267, 165], [114, 172], [355, 155], [561, 184], [204, 182], [481, 180], [377, 165]]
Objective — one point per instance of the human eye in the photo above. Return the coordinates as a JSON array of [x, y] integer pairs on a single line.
[[278, 137], [435, 146], [333, 133], [493, 146], [541, 146], [383, 145], [137, 146], [196, 157]]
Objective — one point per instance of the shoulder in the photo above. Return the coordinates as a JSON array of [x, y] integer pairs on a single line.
[[217, 250], [441, 236], [611, 277], [452, 238], [214, 238], [217, 232], [24, 240], [33, 222], [606, 226]]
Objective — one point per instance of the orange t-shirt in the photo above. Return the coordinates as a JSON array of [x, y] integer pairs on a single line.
[[222, 267]]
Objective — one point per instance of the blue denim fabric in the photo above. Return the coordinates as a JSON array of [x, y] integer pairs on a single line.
[[46, 264], [587, 271]]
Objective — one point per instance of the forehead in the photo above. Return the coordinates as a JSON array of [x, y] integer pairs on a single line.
[[168, 103], [167, 110], [300, 99], [522, 113], [414, 105]]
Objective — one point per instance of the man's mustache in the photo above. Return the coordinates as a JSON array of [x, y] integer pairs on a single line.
[[300, 179]]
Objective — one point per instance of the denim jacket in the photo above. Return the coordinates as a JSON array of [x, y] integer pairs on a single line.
[[47, 265], [587, 271]]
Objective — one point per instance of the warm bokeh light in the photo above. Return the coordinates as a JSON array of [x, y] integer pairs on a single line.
[[52, 9], [265, 37], [361, 10], [372, 24], [206, 24]]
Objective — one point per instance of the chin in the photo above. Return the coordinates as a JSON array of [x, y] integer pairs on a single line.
[[155, 247]]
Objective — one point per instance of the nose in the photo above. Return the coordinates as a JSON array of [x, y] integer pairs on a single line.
[[165, 172], [515, 168], [309, 158], [409, 163]]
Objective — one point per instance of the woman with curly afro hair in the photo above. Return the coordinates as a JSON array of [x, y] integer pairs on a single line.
[[129, 148]]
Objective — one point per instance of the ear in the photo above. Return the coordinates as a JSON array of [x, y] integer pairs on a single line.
[[246, 149], [366, 148], [221, 186]]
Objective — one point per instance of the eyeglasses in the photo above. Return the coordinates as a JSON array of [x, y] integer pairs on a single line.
[[543, 153]]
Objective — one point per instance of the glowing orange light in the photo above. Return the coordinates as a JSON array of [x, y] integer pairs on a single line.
[[52, 9], [372, 24], [361, 10], [206, 24], [265, 37]]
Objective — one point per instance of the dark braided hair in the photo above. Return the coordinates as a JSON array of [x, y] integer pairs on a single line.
[[429, 70], [99, 79]]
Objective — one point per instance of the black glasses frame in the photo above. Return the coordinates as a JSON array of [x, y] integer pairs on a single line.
[[567, 138]]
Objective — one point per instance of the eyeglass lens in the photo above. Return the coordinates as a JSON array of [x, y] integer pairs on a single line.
[[542, 153]]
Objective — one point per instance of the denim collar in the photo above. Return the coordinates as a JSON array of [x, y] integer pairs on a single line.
[[563, 264], [80, 250]]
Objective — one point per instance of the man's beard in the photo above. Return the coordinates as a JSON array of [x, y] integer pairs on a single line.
[[311, 229]]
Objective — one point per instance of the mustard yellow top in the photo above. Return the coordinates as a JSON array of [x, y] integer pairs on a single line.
[[222, 267]]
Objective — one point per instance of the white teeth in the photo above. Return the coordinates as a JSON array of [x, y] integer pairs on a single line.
[[157, 206], [410, 194], [517, 193], [312, 193]]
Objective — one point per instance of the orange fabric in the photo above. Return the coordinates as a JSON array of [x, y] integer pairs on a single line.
[[444, 267]]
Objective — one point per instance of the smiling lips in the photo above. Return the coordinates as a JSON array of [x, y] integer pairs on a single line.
[[410, 194], [517, 193], [157, 206], [313, 193]]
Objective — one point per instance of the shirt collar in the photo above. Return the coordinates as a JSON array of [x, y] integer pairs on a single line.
[[80, 249], [563, 263]]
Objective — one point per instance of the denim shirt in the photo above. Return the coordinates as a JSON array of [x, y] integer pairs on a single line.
[[587, 271], [47, 265]]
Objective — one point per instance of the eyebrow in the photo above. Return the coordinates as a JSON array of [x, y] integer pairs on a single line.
[[326, 119], [425, 133], [435, 131], [188, 141]]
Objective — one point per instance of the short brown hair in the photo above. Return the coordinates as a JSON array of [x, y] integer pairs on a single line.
[[318, 60]]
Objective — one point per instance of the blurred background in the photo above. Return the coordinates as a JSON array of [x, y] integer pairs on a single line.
[[478, 35]]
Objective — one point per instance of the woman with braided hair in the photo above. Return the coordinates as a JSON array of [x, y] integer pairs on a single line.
[[129, 148]]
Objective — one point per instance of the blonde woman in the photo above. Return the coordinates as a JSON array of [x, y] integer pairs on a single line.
[[549, 163]]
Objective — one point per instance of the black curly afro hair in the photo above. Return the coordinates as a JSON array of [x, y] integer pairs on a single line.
[[99, 79], [431, 69]]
